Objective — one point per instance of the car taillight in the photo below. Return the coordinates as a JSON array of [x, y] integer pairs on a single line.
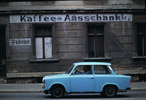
[[130, 82]]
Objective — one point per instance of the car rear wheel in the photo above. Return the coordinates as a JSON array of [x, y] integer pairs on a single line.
[[109, 91], [57, 92]]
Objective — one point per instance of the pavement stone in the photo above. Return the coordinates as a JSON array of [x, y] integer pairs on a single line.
[[37, 87], [138, 86], [20, 88]]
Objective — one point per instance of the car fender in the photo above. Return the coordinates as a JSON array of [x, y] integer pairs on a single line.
[[109, 84], [59, 83]]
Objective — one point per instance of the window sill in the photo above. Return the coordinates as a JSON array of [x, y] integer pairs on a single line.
[[43, 60], [139, 58], [98, 59]]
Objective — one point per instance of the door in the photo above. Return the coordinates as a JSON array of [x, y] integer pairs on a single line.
[[102, 76], [2, 51], [82, 82]]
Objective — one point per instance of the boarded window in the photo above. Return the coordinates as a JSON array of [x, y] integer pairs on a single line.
[[141, 39], [43, 42], [96, 40]]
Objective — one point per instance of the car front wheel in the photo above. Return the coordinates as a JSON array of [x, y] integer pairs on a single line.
[[109, 91], [57, 92]]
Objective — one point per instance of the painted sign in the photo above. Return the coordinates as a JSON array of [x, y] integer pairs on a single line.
[[70, 18], [20, 41]]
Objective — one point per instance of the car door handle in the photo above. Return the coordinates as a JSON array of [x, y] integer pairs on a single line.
[[91, 77]]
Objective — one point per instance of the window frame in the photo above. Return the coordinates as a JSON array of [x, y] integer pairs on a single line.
[[95, 49], [106, 52], [143, 35], [135, 46], [54, 57]]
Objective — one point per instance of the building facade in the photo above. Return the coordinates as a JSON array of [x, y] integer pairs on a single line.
[[43, 37]]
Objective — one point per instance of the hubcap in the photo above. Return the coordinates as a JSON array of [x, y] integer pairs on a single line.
[[58, 92], [110, 91]]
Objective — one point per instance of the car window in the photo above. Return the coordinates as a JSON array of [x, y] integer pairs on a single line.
[[100, 69], [70, 69], [83, 69], [112, 68]]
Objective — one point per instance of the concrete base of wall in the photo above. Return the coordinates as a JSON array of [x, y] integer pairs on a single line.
[[3, 80], [36, 77]]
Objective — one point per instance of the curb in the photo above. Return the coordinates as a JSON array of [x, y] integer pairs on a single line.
[[21, 91], [138, 89]]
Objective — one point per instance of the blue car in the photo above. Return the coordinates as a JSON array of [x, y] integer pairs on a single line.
[[86, 77]]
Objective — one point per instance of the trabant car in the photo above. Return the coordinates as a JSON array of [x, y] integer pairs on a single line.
[[86, 77]]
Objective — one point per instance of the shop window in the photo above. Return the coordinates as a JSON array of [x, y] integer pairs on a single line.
[[96, 41], [141, 39], [43, 42]]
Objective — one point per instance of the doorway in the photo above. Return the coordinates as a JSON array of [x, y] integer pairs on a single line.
[[2, 51]]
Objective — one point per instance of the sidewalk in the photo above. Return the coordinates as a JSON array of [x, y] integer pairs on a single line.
[[33, 87], [36, 87]]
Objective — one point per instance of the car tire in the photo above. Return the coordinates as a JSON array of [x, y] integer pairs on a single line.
[[109, 91], [57, 92]]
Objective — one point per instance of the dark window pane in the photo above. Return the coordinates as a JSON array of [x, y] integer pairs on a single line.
[[43, 31], [139, 45], [141, 39], [99, 29], [100, 46], [141, 28], [96, 41], [91, 46]]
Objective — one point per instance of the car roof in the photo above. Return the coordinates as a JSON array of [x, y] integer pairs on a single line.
[[92, 63]]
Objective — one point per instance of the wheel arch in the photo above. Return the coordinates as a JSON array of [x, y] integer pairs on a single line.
[[58, 84], [110, 84]]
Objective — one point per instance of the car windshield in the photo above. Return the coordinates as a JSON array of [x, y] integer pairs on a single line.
[[70, 69]]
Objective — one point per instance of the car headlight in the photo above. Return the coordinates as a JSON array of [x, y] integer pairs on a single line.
[[43, 85]]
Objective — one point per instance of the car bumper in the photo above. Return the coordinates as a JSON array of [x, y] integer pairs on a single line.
[[43, 86], [125, 90], [46, 91], [128, 88]]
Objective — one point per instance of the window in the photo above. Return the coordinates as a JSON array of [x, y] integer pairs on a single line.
[[99, 69], [83, 69], [141, 39], [96, 41], [43, 42]]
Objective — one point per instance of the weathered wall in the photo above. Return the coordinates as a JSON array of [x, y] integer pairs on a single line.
[[70, 39], [121, 43], [69, 46], [71, 4]]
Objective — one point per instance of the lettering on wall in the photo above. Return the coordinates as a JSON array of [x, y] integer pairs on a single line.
[[20, 41], [70, 18]]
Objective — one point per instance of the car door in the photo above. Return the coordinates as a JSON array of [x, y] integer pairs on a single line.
[[82, 82], [102, 75]]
